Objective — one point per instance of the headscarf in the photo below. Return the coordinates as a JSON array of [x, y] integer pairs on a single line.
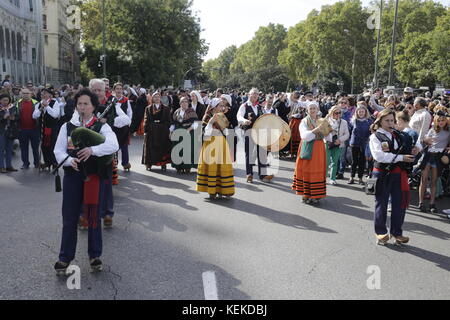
[[228, 98], [199, 97]]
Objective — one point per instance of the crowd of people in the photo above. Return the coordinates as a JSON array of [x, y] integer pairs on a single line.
[[375, 136]]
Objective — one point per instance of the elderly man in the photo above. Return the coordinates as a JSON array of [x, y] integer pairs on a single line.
[[247, 115], [29, 129], [115, 117], [421, 120]]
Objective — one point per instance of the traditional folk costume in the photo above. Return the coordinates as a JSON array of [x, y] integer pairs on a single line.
[[252, 112], [48, 120], [198, 107], [123, 133], [157, 145], [296, 116], [392, 175], [79, 194], [118, 118], [185, 119], [310, 170], [215, 170]]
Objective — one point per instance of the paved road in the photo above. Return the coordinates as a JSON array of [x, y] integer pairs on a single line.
[[263, 244]]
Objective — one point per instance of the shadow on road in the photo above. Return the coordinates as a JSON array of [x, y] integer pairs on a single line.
[[440, 260], [284, 218]]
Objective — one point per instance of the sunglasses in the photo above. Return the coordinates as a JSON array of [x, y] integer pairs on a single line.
[[337, 113]]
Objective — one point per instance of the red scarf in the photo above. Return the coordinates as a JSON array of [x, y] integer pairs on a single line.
[[91, 194]]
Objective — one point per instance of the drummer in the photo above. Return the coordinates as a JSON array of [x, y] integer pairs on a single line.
[[268, 105], [247, 115]]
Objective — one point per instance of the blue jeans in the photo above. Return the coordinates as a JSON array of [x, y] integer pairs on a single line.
[[6, 148], [25, 138], [73, 186], [343, 158]]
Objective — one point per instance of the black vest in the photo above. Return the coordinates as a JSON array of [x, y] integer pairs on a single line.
[[250, 115], [404, 141], [49, 121]]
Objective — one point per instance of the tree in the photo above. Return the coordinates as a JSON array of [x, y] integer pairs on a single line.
[[148, 41]]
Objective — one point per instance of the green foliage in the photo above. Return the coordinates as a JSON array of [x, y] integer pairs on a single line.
[[318, 51], [148, 41]]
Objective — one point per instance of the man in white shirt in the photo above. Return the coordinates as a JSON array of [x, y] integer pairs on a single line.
[[421, 120], [246, 116]]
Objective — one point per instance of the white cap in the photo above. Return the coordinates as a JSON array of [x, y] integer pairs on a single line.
[[408, 90], [228, 98]]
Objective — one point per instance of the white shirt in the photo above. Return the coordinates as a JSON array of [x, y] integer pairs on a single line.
[[123, 119], [110, 145], [344, 134], [307, 134], [420, 122], [385, 157], [53, 112], [268, 111], [241, 111]]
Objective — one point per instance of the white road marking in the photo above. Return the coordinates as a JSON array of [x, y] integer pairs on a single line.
[[209, 285]]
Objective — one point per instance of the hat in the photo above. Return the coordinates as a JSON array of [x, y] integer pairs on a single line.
[[197, 94], [228, 98], [142, 91], [408, 90], [309, 92], [49, 90], [155, 93], [215, 102], [366, 94]]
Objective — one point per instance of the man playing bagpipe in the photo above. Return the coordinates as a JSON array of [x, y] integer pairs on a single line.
[[84, 147]]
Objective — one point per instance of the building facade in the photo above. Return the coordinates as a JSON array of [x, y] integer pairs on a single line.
[[61, 45], [21, 44]]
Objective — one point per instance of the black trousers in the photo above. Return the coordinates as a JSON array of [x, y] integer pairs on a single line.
[[359, 161]]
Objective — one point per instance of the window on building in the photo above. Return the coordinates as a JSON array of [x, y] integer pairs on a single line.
[[46, 39], [13, 45], [19, 47], [8, 44], [31, 5], [44, 21], [2, 42], [33, 55]]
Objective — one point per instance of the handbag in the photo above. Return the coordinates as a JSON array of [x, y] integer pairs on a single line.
[[332, 144]]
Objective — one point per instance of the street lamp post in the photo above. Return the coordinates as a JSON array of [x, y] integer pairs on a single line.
[[104, 39], [394, 33], [354, 58], [375, 76]]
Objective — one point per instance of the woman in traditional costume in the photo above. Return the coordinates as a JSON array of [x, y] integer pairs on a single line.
[[157, 145], [184, 118], [310, 170], [215, 170]]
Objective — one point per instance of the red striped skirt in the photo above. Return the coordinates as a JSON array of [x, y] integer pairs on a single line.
[[310, 175]]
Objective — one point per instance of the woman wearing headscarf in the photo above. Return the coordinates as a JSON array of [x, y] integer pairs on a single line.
[[157, 143], [197, 104], [310, 170], [215, 170], [184, 118]]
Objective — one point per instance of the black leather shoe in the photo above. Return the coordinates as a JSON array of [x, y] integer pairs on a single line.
[[11, 169], [340, 176]]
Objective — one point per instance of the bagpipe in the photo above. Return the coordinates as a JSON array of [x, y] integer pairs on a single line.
[[81, 138]]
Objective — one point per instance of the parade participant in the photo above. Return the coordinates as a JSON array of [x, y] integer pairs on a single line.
[[283, 111], [157, 145], [123, 133], [247, 115], [8, 126], [269, 105], [108, 92], [360, 133], [48, 112], [295, 117], [80, 194], [437, 139], [310, 169], [115, 117], [205, 99], [231, 114], [393, 152], [340, 135], [185, 118], [137, 123], [29, 129], [197, 104], [215, 170]]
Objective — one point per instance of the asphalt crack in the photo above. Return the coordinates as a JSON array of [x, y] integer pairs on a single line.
[[114, 287]]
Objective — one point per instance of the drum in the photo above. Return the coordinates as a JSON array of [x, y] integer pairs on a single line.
[[271, 132], [326, 127], [222, 121]]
